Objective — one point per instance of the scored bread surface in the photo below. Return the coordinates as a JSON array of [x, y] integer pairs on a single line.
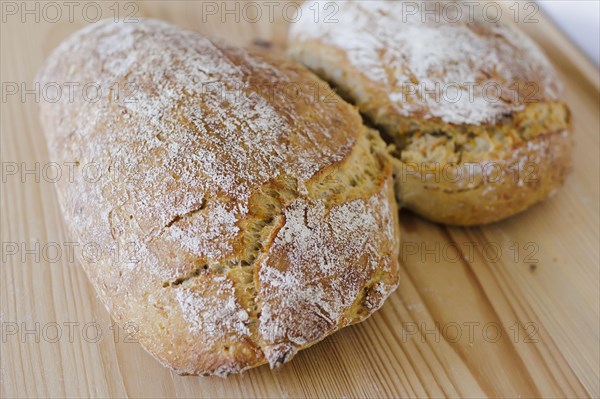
[[473, 106], [242, 209]]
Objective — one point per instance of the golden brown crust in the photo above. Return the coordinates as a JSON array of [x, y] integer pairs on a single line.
[[207, 163], [469, 193], [466, 80]]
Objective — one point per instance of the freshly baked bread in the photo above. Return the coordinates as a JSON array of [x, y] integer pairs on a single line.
[[238, 209], [473, 107]]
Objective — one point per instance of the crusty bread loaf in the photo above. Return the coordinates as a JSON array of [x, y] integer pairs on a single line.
[[263, 218], [473, 106]]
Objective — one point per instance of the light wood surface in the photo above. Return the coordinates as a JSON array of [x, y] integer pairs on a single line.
[[514, 314]]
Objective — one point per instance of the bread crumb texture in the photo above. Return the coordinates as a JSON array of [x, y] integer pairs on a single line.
[[473, 107]]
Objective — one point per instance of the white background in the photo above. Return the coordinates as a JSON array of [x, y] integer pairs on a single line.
[[580, 20]]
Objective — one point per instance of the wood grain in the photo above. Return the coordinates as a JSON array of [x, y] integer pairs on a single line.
[[507, 310]]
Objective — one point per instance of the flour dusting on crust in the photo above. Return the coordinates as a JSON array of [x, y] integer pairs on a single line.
[[429, 61], [212, 310], [187, 133], [306, 269]]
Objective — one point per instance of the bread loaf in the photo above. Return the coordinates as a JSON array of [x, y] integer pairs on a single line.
[[260, 209], [473, 106]]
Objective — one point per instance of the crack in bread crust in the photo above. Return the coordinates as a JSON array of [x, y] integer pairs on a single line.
[[205, 184], [393, 64]]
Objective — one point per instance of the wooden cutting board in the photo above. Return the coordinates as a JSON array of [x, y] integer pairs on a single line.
[[510, 309]]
